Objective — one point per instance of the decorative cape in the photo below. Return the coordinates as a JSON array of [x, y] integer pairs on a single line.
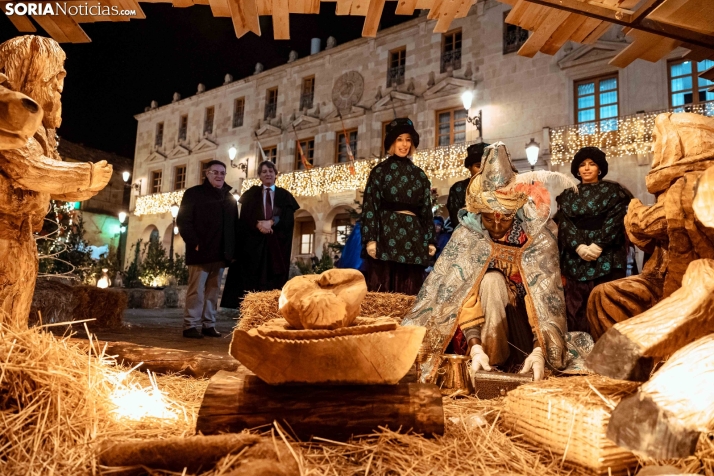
[[464, 261]]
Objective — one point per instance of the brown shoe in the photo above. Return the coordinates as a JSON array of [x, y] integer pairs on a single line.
[[192, 333]]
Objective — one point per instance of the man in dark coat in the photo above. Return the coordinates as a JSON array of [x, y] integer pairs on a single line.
[[457, 192], [266, 227], [207, 222]]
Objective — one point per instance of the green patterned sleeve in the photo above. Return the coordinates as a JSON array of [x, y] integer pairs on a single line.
[[613, 227], [426, 216], [370, 204]]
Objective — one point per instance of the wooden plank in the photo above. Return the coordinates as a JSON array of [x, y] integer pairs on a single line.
[[245, 17], [297, 6], [697, 15], [464, 9], [371, 21], [404, 7], [447, 14], [585, 30], [635, 49], [71, 29], [515, 16], [281, 20], [313, 6], [47, 23], [434, 10], [359, 7], [22, 23], [182, 3], [425, 4], [534, 16], [541, 35], [265, 7], [343, 7], [220, 8], [697, 53], [663, 47], [597, 33], [563, 34]]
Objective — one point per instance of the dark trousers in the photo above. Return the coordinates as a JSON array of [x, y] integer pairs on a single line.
[[576, 299], [393, 277]]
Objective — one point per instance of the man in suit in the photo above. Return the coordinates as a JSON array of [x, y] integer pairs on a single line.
[[207, 222], [266, 229]]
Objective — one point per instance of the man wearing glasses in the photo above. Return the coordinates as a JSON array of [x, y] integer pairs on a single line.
[[207, 221]]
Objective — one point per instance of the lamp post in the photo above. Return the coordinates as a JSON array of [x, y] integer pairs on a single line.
[[125, 176], [532, 151], [122, 237], [467, 98], [174, 231]]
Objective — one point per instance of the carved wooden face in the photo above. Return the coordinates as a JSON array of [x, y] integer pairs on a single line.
[[20, 117], [49, 95]]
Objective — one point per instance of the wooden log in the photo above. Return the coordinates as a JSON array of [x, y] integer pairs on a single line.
[[174, 454], [665, 419], [198, 364], [233, 403], [627, 351]]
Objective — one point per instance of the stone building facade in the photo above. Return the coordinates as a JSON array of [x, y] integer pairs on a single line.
[[407, 70]]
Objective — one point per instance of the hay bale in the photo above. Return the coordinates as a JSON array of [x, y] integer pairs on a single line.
[[142, 298], [260, 307], [569, 417], [55, 301]]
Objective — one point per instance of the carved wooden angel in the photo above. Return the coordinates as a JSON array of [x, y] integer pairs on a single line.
[[34, 173]]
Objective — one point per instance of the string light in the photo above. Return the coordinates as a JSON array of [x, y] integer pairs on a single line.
[[157, 203], [632, 135]]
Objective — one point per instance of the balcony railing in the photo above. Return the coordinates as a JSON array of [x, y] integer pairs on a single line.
[[451, 58], [626, 135], [395, 76]]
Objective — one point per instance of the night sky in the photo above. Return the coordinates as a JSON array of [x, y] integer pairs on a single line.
[[129, 64]]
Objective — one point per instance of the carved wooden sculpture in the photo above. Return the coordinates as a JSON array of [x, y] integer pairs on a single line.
[[326, 301], [669, 229], [34, 173], [20, 117], [664, 419], [704, 198], [628, 349]]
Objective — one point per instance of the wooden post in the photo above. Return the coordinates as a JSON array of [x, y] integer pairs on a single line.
[[233, 403], [627, 351]]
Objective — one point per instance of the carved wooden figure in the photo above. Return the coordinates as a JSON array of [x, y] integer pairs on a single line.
[[627, 351], [34, 173], [683, 149], [664, 419], [20, 117]]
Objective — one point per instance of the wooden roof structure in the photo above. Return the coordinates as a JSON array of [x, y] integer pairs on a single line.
[[65, 28], [657, 27]]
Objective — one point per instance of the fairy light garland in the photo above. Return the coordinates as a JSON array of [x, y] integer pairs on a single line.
[[633, 135], [157, 203], [439, 163]]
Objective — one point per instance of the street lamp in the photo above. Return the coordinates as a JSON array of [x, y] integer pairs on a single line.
[[467, 98], [174, 214], [122, 217], [122, 237], [125, 175], [532, 151]]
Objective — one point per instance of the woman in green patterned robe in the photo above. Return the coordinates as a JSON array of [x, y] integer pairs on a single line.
[[591, 233], [397, 221]]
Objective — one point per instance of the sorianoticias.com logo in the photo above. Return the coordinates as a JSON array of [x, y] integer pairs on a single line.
[[62, 8]]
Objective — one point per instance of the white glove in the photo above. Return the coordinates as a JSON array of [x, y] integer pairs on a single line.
[[535, 362], [595, 250], [585, 253], [372, 249], [432, 250], [479, 359]]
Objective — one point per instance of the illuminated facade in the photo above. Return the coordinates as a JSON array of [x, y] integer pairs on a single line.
[[405, 71]]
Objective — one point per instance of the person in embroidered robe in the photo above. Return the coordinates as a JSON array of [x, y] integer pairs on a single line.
[[591, 233], [495, 293], [397, 221]]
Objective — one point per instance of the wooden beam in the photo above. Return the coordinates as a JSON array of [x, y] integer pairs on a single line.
[[182, 3], [343, 7], [515, 16], [624, 19], [543, 33], [405, 7], [220, 8], [47, 23], [374, 15], [597, 33], [697, 53], [563, 34], [708, 74], [281, 20], [643, 42], [359, 7], [22, 23], [71, 29], [447, 14], [245, 17], [645, 9], [465, 7], [660, 50], [587, 27], [265, 7]]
